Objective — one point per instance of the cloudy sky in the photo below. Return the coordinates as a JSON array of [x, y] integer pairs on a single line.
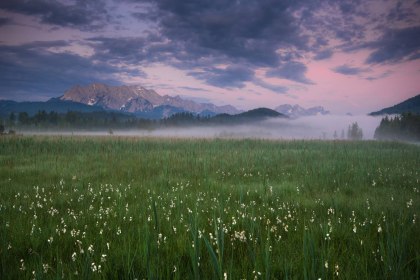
[[348, 56]]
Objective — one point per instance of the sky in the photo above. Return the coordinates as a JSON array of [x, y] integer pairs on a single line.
[[353, 56]]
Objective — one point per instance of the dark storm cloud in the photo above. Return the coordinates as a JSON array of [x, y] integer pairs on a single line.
[[130, 50], [82, 14], [5, 21], [330, 19], [350, 33], [31, 70], [395, 46], [347, 7], [378, 77], [231, 77], [403, 13], [194, 89], [250, 32], [202, 33], [199, 34], [134, 50], [292, 70], [155, 48], [40, 45], [275, 88], [348, 70], [325, 54]]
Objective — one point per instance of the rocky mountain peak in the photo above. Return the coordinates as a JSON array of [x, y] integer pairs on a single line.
[[135, 99], [296, 111]]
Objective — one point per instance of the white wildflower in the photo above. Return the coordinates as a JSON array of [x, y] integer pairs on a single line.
[[45, 267], [240, 235], [94, 267], [22, 265], [410, 203]]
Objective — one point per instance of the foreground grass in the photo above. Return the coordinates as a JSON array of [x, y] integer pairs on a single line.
[[80, 207]]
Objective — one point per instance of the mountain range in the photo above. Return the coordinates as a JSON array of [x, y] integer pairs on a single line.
[[148, 104], [296, 111], [140, 101], [411, 105]]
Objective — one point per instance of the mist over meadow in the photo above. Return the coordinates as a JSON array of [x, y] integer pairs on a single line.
[[312, 127]]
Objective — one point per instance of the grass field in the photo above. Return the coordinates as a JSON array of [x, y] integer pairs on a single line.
[[130, 208]]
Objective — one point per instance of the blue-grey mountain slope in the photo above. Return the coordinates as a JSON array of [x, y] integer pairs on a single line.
[[411, 105]]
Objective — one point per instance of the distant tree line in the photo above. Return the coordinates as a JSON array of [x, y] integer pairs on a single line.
[[87, 120], [403, 127], [73, 119], [183, 119], [114, 120]]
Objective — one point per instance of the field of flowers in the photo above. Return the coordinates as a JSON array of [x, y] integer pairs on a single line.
[[130, 208]]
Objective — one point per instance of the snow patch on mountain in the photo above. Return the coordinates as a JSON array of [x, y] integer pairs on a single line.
[[296, 111]]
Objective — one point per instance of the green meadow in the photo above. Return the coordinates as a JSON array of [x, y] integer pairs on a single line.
[[141, 208]]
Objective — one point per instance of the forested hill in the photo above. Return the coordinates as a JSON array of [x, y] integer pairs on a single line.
[[411, 105], [404, 127], [8, 107]]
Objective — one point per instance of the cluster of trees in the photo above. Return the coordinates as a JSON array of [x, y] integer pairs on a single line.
[[354, 132], [183, 119], [404, 127], [113, 120], [72, 119]]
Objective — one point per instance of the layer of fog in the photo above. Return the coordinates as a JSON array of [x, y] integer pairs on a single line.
[[315, 127]]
